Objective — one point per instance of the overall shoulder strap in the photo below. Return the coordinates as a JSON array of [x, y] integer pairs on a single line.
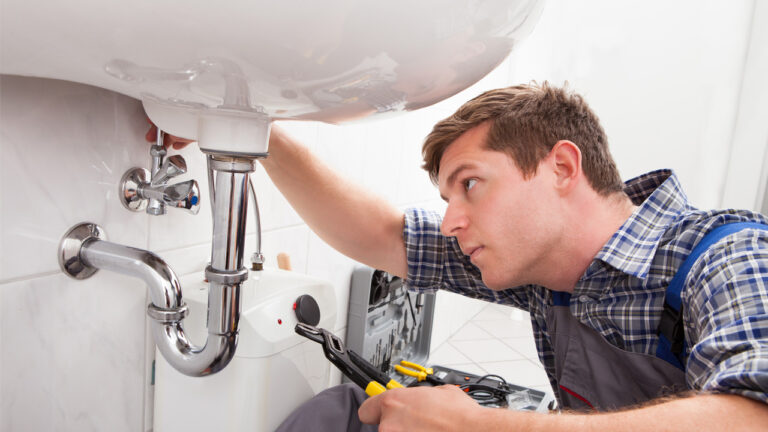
[[560, 298], [671, 330]]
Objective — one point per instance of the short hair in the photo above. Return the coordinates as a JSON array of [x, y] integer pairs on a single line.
[[526, 122]]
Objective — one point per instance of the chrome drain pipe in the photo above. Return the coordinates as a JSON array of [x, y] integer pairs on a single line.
[[84, 250]]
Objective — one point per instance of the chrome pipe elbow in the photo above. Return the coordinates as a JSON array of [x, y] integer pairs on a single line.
[[164, 286], [84, 250]]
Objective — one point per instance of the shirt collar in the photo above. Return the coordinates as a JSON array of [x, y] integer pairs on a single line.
[[660, 200]]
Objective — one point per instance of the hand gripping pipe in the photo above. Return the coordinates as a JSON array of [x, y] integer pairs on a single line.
[[84, 250]]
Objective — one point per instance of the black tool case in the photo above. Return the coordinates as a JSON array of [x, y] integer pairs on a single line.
[[388, 323]]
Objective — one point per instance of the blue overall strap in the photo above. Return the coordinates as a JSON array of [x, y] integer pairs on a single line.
[[560, 298], [671, 330]]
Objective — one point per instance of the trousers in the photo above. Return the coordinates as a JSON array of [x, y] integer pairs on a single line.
[[332, 410]]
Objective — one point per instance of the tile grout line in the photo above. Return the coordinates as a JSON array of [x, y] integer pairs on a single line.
[[30, 277]]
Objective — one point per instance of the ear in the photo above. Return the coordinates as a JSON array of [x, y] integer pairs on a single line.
[[565, 159]]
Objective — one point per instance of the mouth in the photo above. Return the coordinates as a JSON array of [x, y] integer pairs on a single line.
[[474, 251]]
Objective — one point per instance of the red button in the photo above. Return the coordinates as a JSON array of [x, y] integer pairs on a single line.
[[279, 321]]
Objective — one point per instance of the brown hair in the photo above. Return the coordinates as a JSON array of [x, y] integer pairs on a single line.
[[527, 121]]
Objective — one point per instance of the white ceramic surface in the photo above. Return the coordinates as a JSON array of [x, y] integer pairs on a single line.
[[525, 346], [212, 70], [471, 331], [273, 371], [447, 354], [525, 373], [326, 263], [293, 241], [63, 151], [486, 350], [68, 348]]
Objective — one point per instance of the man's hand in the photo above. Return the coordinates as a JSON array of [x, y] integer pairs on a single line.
[[169, 140], [443, 408]]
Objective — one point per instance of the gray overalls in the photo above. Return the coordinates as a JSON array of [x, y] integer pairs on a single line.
[[592, 374]]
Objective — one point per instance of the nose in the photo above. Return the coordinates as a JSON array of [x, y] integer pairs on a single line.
[[454, 220]]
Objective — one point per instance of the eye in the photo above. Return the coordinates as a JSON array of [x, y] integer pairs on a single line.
[[469, 184]]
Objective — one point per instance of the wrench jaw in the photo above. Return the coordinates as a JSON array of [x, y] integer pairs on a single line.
[[337, 353], [309, 332]]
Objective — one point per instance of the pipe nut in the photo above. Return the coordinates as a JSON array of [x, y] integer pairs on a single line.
[[226, 277], [233, 164], [166, 316]]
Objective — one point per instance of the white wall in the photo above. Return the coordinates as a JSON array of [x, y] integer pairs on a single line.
[[665, 77], [72, 353], [745, 184]]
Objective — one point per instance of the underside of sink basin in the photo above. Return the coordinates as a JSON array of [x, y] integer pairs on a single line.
[[260, 59]]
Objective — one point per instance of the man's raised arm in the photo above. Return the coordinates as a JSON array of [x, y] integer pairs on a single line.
[[352, 220]]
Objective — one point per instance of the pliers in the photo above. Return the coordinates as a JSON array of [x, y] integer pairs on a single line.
[[418, 371], [349, 362]]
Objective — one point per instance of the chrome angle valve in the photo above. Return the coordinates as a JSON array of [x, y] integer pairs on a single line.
[[141, 189]]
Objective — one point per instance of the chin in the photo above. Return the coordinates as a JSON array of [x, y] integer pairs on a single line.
[[496, 284]]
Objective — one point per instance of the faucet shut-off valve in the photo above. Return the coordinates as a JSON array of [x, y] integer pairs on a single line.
[[143, 189]]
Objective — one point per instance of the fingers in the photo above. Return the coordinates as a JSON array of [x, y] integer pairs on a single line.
[[176, 142], [151, 133], [370, 411], [440, 408], [168, 139]]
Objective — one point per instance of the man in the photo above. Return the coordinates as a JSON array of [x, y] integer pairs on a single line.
[[536, 213]]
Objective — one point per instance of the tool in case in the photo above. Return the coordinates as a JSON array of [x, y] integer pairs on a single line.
[[386, 321], [391, 328]]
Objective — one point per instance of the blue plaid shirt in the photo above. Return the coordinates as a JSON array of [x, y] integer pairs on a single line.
[[621, 293]]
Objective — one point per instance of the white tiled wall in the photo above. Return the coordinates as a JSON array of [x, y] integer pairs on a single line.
[[74, 355]]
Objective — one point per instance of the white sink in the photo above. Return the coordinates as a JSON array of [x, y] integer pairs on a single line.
[[201, 67]]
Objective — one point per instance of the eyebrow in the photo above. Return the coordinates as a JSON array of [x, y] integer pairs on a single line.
[[451, 178]]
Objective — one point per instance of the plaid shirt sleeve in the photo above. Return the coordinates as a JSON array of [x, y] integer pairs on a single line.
[[727, 317], [436, 262]]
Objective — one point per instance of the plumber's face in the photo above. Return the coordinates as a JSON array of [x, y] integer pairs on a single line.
[[499, 217]]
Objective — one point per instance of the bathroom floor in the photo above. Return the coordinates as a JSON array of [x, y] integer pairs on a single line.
[[498, 340]]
